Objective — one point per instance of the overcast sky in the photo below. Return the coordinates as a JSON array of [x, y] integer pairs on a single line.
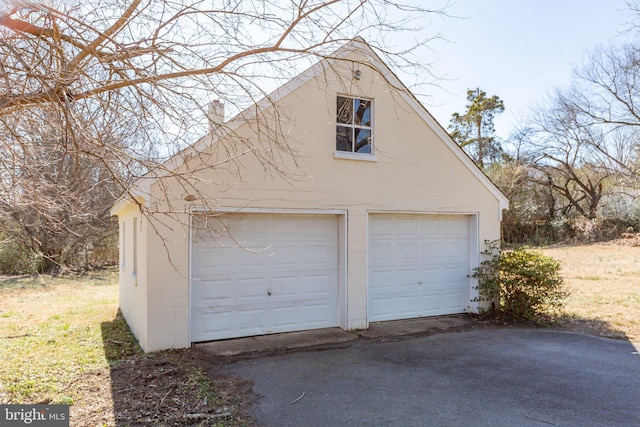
[[516, 49]]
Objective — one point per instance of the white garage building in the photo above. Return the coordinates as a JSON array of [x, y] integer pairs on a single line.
[[372, 214]]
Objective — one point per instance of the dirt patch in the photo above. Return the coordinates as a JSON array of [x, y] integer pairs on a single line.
[[177, 388]]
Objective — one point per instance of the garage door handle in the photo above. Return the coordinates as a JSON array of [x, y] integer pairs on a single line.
[[419, 282], [269, 292]]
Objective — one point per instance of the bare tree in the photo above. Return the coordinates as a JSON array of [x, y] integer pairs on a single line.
[[606, 97], [568, 159], [119, 86], [56, 204]]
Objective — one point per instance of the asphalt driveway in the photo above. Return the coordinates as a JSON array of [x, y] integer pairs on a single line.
[[487, 377]]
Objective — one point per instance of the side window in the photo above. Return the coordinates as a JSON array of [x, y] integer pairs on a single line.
[[354, 125], [123, 247], [134, 232]]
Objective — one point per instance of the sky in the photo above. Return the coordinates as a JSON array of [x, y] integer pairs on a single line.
[[519, 50]]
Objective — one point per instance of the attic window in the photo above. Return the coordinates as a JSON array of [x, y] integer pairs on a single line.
[[354, 125]]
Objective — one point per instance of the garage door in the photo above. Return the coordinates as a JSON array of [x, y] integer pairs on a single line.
[[254, 274], [418, 266]]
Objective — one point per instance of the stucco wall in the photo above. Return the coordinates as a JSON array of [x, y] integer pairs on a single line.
[[133, 280], [168, 293], [414, 172]]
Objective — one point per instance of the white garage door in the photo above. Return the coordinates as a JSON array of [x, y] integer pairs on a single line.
[[254, 274], [418, 266]]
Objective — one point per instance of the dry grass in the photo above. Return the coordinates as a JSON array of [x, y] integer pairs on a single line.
[[604, 281], [48, 336], [63, 341]]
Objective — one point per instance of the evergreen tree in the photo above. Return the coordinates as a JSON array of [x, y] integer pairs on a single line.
[[474, 130]]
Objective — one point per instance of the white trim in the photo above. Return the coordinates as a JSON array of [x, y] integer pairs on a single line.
[[391, 212], [367, 239], [189, 277], [354, 126], [474, 260], [225, 210], [125, 201], [123, 247], [347, 155], [343, 273]]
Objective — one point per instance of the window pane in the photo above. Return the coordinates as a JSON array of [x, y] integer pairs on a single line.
[[363, 141], [363, 112], [345, 110], [344, 138]]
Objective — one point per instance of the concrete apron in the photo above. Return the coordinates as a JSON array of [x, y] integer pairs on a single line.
[[335, 336]]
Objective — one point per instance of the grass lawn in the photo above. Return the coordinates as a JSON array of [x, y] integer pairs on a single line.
[[62, 341], [604, 281], [50, 329]]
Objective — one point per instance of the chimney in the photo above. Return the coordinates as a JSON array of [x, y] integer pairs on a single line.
[[215, 114]]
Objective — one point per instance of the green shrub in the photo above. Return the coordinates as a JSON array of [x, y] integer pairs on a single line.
[[521, 283]]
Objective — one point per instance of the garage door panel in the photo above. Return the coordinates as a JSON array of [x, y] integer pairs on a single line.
[[384, 227], [382, 281], [381, 307], [319, 256], [455, 226], [286, 270], [456, 249], [430, 250], [213, 291], [221, 323], [283, 231], [453, 301], [289, 318], [406, 304], [314, 316], [424, 269], [407, 252], [380, 252], [319, 285], [455, 275], [246, 289], [430, 226], [283, 318], [431, 277], [204, 326], [430, 303], [253, 256], [248, 321], [285, 256], [284, 287], [404, 277], [221, 259], [323, 229], [406, 227]]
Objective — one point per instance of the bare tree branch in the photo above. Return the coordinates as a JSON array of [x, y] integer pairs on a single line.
[[104, 93]]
